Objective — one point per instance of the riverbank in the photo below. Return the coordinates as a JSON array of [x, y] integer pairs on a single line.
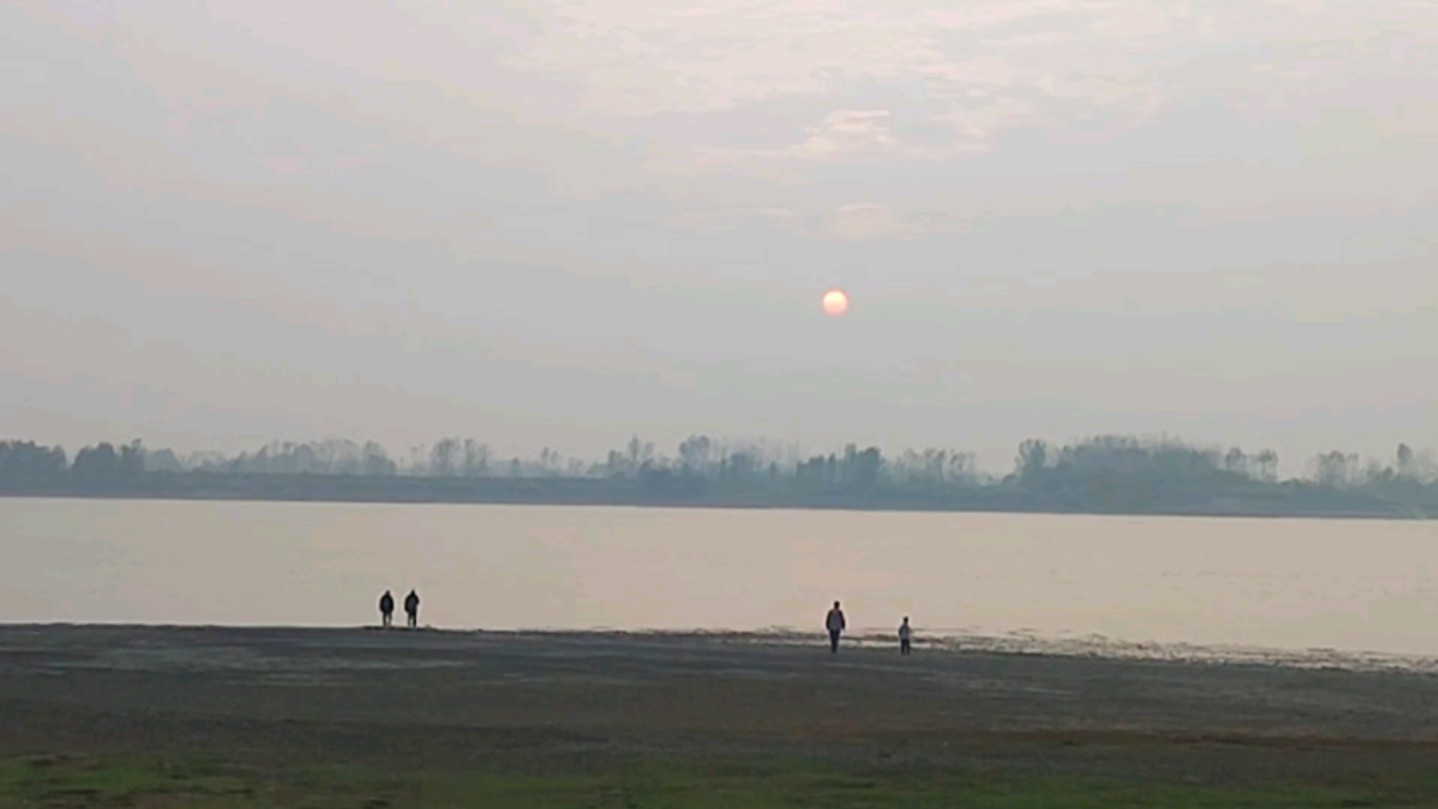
[[1131, 498], [583, 705]]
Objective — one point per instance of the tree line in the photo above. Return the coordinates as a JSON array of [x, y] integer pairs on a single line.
[[701, 456], [1103, 473]]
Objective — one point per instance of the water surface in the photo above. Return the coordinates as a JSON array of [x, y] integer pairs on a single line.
[[1285, 584]]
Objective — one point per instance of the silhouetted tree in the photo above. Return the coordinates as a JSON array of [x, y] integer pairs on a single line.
[[930, 468], [694, 453], [740, 467], [476, 458], [614, 464], [1267, 465], [1236, 461], [1103, 473], [550, 462], [96, 464], [1033, 458], [131, 463], [376, 462], [866, 466], [163, 460], [1335, 469], [28, 462], [640, 452], [444, 457]]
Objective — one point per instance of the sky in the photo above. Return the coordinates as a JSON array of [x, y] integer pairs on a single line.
[[562, 223]]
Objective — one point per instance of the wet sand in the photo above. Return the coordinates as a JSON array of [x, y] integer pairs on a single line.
[[552, 701]]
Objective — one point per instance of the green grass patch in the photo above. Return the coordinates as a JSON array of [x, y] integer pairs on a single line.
[[63, 781], [59, 780]]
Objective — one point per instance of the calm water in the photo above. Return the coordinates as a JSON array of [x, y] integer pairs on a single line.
[[1287, 584]]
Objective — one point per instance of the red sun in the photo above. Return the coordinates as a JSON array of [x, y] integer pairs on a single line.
[[836, 302]]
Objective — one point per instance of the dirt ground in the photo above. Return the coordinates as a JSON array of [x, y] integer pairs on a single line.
[[548, 701]]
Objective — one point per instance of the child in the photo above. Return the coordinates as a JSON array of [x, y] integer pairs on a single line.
[[905, 634]]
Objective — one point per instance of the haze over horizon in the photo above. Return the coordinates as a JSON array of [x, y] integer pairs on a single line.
[[560, 223]]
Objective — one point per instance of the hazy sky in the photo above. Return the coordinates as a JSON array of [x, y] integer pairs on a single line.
[[563, 222]]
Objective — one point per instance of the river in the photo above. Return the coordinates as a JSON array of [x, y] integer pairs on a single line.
[[1345, 585]]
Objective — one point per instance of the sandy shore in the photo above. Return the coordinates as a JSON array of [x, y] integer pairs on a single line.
[[535, 700]]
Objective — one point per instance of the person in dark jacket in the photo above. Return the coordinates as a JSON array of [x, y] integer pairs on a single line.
[[411, 608], [834, 622], [386, 609]]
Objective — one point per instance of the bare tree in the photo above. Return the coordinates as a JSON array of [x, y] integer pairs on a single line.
[[694, 453], [1236, 461], [1405, 461], [476, 458], [1335, 469], [1033, 456], [444, 457], [1266, 462]]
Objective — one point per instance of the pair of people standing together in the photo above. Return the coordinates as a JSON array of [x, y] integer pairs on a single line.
[[411, 608], [835, 623]]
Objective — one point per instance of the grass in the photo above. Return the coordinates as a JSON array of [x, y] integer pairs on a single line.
[[66, 781]]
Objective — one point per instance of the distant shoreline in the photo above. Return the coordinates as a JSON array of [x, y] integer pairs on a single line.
[[560, 492], [1106, 475]]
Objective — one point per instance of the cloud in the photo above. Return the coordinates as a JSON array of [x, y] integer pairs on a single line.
[[850, 81], [976, 124], [850, 222], [723, 217], [842, 135], [866, 221], [968, 73], [749, 102], [636, 59], [846, 133]]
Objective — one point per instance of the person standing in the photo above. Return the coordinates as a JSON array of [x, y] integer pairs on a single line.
[[905, 635], [411, 609], [835, 623], [386, 610]]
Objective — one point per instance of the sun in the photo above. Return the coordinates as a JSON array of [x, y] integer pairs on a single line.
[[836, 302]]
